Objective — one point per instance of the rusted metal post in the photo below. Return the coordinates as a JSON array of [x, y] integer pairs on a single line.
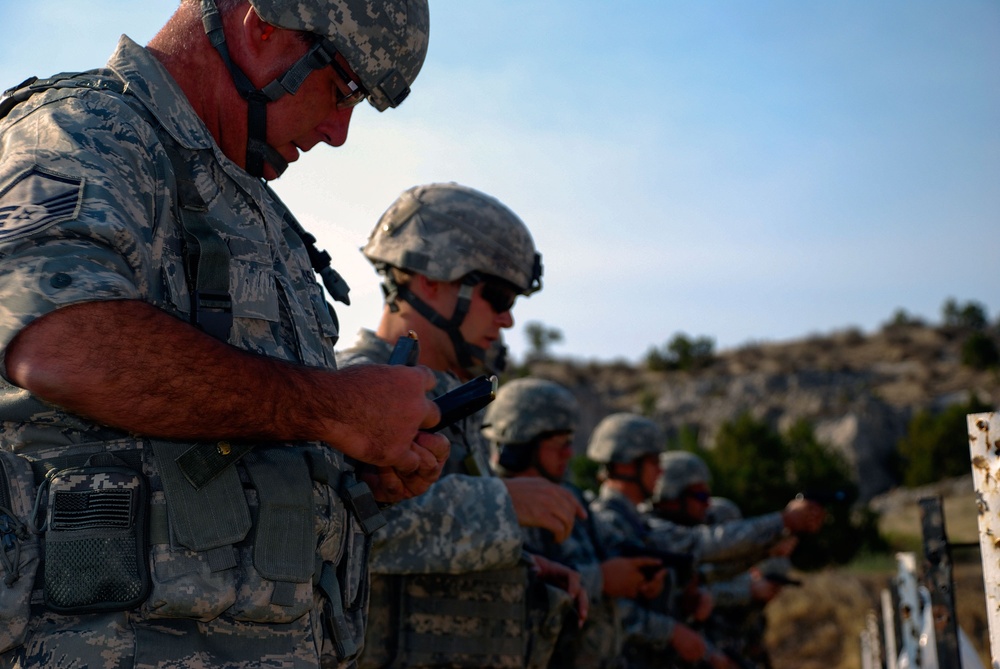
[[938, 579], [984, 450], [889, 630]]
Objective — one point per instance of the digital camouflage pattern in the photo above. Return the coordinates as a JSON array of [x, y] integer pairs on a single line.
[[745, 540], [599, 644], [424, 535], [721, 510], [459, 541], [384, 42], [623, 438], [446, 231], [678, 471], [19, 548], [646, 632], [88, 212], [528, 408]]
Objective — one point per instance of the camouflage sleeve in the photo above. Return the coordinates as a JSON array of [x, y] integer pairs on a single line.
[[645, 627], [574, 552], [746, 539], [611, 529], [78, 202], [461, 524], [731, 593]]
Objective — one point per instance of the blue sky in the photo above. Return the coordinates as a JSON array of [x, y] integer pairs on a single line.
[[746, 171]]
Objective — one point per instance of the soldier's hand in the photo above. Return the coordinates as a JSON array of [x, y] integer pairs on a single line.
[[687, 643], [700, 603], [390, 484], [624, 577], [785, 547], [803, 516], [541, 503], [762, 589], [566, 579], [388, 408]]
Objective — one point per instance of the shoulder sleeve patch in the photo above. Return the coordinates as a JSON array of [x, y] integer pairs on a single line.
[[36, 200]]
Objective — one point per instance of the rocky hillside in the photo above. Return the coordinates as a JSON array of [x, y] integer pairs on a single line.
[[858, 390]]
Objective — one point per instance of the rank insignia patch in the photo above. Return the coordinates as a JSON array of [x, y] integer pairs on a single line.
[[37, 200]]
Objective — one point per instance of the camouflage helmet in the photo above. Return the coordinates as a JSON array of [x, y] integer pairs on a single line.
[[446, 231], [624, 438], [527, 408], [678, 470], [384, 42], [722, 510]]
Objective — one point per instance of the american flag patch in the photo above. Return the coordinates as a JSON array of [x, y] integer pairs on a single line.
[[37, 200]]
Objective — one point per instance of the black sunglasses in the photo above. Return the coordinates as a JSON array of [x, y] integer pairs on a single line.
[[499, 294], [698, 495]]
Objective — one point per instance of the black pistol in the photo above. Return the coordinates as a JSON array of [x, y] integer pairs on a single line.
[[465, 400], [457, 403]]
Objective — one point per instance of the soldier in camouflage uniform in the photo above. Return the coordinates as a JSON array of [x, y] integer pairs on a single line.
[[531, 426], [731, 545], [627, 447], [679, 505], [169, 381], [449, 578]]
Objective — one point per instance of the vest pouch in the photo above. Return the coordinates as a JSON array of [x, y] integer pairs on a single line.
[[19, 548], [194, 555], [475, 619], [95, 540], [276, 571]]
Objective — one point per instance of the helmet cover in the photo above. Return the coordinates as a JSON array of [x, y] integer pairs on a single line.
[[526, 408], [447, 231], [679, 469], [384, 42], [623, 438]]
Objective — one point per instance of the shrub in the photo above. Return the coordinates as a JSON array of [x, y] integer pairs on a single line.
[[979, 351], [936, 444]]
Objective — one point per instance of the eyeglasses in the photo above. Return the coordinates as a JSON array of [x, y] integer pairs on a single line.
[[499, 294], [698, 495], [350, 93], [354, 95]]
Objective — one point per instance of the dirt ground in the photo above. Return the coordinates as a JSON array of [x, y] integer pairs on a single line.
[[819, 624]]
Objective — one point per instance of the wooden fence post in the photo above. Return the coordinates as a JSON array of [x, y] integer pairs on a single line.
[[984, 450]]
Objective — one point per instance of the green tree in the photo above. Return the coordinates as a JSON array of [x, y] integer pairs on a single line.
[[979, 351], [971, 315], [761, 470], [540, 339], [936, 444], [583, 473], [750, 465], [681, 352]]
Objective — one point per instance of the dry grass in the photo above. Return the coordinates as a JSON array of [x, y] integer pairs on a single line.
[[819, 624]]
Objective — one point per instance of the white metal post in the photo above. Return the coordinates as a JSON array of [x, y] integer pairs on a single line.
[[984, 450], [910, 619]]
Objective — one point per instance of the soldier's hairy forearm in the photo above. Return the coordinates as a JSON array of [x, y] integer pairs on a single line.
[[131, 366]]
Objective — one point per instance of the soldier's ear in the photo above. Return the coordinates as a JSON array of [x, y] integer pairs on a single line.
[[264, 43]]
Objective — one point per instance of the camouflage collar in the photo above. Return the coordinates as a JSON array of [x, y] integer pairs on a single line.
[[147, 79]]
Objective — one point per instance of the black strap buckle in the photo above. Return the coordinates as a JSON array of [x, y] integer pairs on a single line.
[[213, 312]]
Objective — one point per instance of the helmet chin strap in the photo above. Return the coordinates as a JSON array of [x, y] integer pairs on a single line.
[[259, 151], [633, 478], [470, 357]]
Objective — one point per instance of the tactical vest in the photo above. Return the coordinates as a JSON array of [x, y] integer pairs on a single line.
[[175, 531], [502, 618]]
